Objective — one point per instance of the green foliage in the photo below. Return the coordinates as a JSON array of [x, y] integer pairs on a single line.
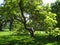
[[40, 17], [9, 9], [56, 9], [50, 21], [55, 32]]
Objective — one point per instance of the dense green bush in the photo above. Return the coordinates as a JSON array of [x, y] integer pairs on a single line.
[[55, 32]]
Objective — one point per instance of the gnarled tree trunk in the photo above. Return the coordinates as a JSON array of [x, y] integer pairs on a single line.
[[24, 20]]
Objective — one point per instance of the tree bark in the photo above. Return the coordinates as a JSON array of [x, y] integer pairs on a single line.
[[1, 27]]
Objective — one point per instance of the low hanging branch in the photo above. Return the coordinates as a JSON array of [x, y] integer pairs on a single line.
[[18, 18], [24, 20]]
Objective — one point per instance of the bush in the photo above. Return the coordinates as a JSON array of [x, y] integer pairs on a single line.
[[55, 32]]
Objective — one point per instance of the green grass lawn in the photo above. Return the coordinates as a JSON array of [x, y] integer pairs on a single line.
[[41, 38]]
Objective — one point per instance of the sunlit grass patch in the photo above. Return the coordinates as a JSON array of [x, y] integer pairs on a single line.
[[41, 38]]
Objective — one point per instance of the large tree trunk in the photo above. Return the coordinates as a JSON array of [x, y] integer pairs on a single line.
[[31, 30], [24, 19]]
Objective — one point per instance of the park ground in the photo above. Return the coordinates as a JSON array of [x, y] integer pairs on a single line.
[[41, 38]]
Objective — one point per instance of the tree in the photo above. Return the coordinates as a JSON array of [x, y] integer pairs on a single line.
[[56, 9], [39, 17]]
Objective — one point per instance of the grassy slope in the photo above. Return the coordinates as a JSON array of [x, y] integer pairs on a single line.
[[41, 38]]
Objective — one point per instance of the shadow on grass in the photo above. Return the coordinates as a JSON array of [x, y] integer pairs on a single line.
[[25, 39], [49, 40]]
